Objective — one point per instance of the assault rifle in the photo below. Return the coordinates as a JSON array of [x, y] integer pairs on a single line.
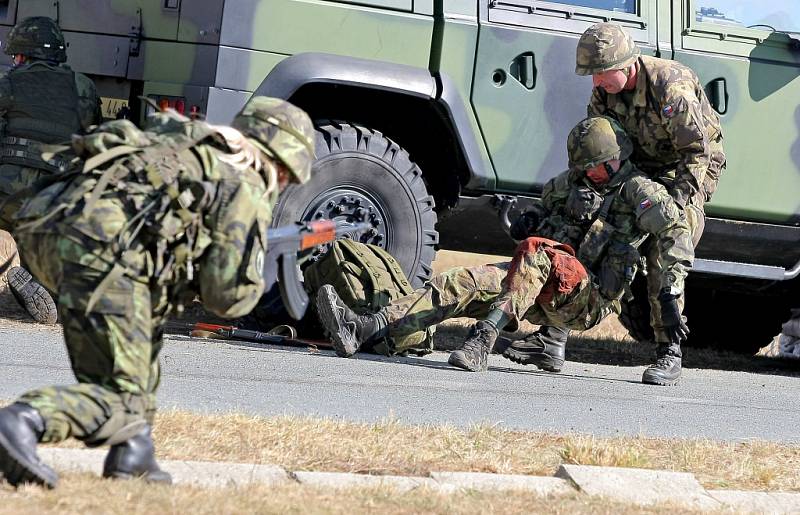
[[229, 332], [283, 244]]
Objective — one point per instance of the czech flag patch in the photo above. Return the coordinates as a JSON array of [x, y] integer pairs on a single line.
[[645, 204], [668, 110]]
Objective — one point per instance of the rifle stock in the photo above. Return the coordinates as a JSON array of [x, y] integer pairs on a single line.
[[283, 245]]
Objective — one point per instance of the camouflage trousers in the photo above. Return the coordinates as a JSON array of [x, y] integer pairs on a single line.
[[544, 284], [113, 345], [696, 220], [13, 179]]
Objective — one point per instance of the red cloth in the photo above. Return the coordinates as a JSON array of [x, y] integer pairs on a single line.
[[566, 271]]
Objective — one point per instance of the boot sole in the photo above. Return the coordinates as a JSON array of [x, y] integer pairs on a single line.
[[659, 382], [456, 361], [32, 296], [542, 361], [332, 318], [17, 470]]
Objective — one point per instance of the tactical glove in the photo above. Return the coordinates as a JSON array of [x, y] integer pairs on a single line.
[[524, 225], [674, 324]]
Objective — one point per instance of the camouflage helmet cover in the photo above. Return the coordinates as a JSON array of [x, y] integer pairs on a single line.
[[596, 140], [38, 37], [282, 131], [603, 47]]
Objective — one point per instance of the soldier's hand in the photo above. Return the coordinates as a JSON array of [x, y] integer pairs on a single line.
[[674, 324], [524, 225]]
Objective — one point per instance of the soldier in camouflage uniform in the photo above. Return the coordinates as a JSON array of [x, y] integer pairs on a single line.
[[603, 206], [151, 220], [42, 101], [676, 135]]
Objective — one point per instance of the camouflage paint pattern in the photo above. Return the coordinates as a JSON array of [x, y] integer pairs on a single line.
[[676, 134], [117, 281], [37, 37], [282, 131], [603, 47]]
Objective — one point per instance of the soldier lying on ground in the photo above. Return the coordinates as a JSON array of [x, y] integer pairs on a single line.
[[603, 207], [153, 219], [42, 101]]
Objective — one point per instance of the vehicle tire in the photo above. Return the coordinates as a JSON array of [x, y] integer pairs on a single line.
[[359, 175], [362, 176], [635, 313]]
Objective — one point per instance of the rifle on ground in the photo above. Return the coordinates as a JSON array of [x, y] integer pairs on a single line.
[[283, 245], [229, 332]]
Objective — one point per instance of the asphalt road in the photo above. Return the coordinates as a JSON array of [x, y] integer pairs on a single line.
[[585, 398]]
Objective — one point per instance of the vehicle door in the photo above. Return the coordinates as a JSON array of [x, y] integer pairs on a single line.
[[525, 91], [747, 55]]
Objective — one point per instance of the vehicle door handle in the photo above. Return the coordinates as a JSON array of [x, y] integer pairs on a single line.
[[717, 91], [523, 68]]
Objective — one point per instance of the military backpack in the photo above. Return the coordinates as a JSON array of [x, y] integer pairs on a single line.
[[367, 278]]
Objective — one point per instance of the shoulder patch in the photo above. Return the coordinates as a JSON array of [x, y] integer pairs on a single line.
[[645, 204], [669, 110]]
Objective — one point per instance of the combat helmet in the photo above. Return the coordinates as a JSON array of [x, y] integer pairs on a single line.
[[38, 37], [282, 131], [596, 140], [604, 47]]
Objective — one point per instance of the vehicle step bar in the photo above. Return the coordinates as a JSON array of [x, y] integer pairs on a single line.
[[749, 270]]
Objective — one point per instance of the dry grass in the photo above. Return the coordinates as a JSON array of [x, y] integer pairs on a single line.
[[391, 448], [88, 495]]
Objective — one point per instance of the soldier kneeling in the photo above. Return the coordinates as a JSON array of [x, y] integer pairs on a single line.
[[154, 218], [572, 274]]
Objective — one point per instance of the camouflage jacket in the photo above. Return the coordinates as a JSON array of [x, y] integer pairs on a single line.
[[637, 208], [177, 204], [670, 121]]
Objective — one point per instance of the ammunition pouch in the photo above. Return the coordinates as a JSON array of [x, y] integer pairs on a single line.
[[618, 270], [595, 242]]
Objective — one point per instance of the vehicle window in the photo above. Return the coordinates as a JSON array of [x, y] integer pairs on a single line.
[[623, 6], [768, 15]]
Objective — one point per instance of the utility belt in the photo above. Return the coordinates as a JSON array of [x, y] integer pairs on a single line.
[[28, 152]]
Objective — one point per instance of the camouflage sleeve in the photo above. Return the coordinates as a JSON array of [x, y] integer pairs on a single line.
[[5, 99], [658, 214], [231, 269], [683, 119], [88, 101], [556, 191], [597, 104]]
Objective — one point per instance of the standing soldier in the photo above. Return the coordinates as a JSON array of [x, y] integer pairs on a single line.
[[603, 207], [677, 140], [42, 101], [152, 219]]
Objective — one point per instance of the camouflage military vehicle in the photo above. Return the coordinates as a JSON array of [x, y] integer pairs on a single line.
[[426, 109]]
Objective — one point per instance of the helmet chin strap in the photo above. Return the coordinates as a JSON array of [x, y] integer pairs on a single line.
[[609, 170]]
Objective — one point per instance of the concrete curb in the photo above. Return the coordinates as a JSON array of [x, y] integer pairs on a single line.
[[641, 487]]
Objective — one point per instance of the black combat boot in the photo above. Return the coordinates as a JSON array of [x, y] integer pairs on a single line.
[[21, 428], [545, 348], [474, 354], [667, 369], [135, 458], [32, 296], [348, 330]]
